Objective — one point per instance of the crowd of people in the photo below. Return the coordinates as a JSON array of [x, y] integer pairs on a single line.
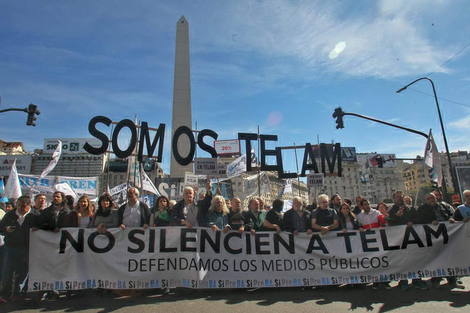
[[212, 211]]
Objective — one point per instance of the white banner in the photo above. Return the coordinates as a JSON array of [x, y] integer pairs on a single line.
[[237, 167], [81, 185], [315, 180], [206, 166], [251, 185], [201, 258]]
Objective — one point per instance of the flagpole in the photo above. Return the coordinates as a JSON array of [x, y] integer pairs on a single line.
[[259, 178], [297, 169]]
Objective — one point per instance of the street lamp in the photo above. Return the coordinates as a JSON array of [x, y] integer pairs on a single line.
[[442, 125]]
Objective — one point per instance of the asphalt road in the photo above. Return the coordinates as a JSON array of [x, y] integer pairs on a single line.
[[325, 299]]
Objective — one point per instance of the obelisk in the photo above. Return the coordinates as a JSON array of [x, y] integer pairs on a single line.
[[181, 97]]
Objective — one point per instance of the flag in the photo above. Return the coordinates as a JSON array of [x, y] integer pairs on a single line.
[[2, 191], [286, 188], [433, 160], [67, 190], [147, 184], [55, 159], [13, 188]]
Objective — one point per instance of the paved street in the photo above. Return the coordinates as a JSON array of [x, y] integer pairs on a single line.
[[326, 299]]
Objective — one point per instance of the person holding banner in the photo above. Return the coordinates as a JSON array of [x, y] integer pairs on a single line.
[[369, 218], [184, 213], [236, 217], [15, 226], [255, 216], [274, 218], [161, 215], [106, 216], [324, 218], [133, 213], [40, 201], [217, 216], [401, 214], [463, 211], [347, 219], [57, 215], [296, 220]]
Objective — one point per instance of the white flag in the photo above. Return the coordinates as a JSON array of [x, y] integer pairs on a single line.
[[67, 190], [13, 188], [433, 160], [54, 161], [147, 184]]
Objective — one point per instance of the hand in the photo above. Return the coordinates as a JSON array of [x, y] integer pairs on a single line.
[[309, 232], [122, 226], [435, 222], [410, 224], [241, 229], [361, 230], [466, 219], [146, 226], [226, 229], [278, 229], [324, 230], [400, 212], [296, 232], [187, 224], [56, 230], [215, 228], [345, 230], [102, 229], [451, 220], [34, 229], [253, 232]]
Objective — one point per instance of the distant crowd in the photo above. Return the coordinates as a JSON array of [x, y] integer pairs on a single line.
[[323, 215]]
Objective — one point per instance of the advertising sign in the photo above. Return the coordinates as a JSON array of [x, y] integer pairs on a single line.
[[224, 147], [70, 145], [23, 164]]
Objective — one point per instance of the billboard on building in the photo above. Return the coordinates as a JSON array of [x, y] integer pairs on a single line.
[[70, 145], [388, 160], [23, 164]]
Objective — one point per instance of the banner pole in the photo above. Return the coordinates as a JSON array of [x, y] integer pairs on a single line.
[[297, 170]]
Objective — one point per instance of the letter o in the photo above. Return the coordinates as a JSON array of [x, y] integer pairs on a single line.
[[174, 145], [117, 151], [91, 242]]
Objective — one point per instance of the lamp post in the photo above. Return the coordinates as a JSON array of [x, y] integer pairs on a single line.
[[442, 126]]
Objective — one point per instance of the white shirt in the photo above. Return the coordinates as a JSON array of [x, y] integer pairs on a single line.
[[21, 217], [131, 216]]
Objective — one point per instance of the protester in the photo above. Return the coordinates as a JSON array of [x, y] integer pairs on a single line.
[[274, 218], [383, 209], [161, 215], [40, 201], [348, 201], [463, 211], [184, 213], [439, 198], [335, 202], [171, 204], [57, 215], [255, 216], [433, 212], [312, 207], [236, 217], [296, 220], [217, 216], [408, 201], [83, 213], [323, 218], [15, 226], [400, 214], [133, 213], [70, 200], [106, 216], [369, 218], [357, 209], [347, 219]]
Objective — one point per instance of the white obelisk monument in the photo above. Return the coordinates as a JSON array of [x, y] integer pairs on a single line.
[[181, 97]]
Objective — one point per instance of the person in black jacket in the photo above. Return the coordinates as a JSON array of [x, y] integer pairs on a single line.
[[236, 218], [274, 218], [296, 220], [133, 213], [15, 226], [57, 215], [324, 219]]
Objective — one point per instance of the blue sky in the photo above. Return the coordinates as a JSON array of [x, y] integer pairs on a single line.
[[282, 65]]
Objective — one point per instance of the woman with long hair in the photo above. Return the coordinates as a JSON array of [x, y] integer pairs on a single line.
[[83, 211], [217, 216], [347, 219], [161, 215], [106, 216]]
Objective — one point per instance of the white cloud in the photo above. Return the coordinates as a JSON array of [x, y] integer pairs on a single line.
[[462, 124]]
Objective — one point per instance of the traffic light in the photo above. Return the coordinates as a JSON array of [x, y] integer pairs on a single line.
[[32, 111], [338, 114], [380, 161]]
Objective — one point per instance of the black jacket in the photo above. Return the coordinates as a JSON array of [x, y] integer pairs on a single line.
[[288, 220], [144, 214], [428, 214], [409, 215], [20, 237], [47, 219]]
